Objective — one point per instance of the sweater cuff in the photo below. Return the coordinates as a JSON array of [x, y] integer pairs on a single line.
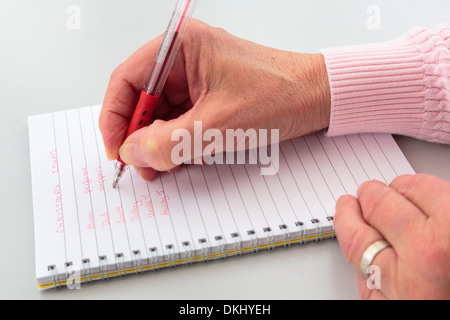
[[383, 87]]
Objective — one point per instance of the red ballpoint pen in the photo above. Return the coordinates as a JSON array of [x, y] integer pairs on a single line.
[[158, 75]]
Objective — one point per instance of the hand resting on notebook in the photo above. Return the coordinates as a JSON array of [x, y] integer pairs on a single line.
[[412, 214], [218, 79], [230, 83]]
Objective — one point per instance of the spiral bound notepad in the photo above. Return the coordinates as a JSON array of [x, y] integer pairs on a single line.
[[85, 230]]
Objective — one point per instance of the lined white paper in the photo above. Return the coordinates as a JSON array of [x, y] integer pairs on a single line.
[[197, 213]]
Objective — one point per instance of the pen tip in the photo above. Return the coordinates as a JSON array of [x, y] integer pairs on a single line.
[[114, 185]]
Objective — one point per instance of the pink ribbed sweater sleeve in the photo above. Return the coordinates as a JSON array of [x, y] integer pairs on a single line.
[[399, 87]]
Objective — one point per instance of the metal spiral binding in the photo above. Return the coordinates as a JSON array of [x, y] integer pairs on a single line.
[[87, 269], [302, 229], [237, 243], [254, 240], [55, 277], [319, 229], [102, 262], [69, 269], [205, 249], [154, 258], [120, 264], [73, 272], [330, 218], [286, 235], [221, 243], [270, 239], [171, 255], [187, 251], [137, 261]]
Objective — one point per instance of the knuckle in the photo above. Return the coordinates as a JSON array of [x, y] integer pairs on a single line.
[[373, 198], [195, 23], [220, 31], [404, 184], [197, 29], [116, 72]]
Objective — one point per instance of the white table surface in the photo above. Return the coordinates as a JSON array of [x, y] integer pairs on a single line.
[[46, 66]]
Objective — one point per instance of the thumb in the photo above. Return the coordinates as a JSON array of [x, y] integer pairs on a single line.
[[155, 146]]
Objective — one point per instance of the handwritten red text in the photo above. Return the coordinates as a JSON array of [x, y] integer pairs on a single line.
[[58, 209], [164, 201], [86, 182], [120, 217], [147, 204], [54, 159], [100, 179]]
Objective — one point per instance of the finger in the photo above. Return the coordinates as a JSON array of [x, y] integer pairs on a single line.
[[427, 192], [395, 217], [155, 145], [150, 174], [175, 169], [353, 232], [114, 124], [147, 174], [122, 95], [355, 236]]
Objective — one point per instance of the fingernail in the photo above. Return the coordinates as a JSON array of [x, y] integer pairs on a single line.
[[109, 155]]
